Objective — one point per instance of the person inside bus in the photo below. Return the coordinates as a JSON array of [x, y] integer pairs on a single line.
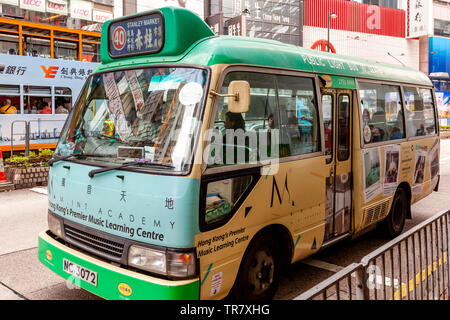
[[396, 133], [233, 121], [60, 108], [26, 108], [46, 109], [7, 107], [12, 51]]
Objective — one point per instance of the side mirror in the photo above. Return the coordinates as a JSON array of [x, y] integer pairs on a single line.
[[238, 96]]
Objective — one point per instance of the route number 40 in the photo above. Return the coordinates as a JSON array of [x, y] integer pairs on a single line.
[[119, 38]]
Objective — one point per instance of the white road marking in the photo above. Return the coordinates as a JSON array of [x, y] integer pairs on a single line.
[[335, 268], [39, 190], [322, 265]]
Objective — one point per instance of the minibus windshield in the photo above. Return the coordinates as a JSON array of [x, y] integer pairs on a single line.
[[149, 114]]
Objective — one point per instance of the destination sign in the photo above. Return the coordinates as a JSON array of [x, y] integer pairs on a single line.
[[136, 35]]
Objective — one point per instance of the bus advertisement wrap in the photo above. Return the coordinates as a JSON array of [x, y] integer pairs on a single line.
[[30, 85], [170, 194]]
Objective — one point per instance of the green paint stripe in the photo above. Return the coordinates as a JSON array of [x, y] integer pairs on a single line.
[[268, 172], [298, 239], [206, 275]]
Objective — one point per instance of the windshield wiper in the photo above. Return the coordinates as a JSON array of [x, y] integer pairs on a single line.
[[132, 163], [75, 155]]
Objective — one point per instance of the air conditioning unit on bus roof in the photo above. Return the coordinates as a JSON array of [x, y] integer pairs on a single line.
[[440, 74]]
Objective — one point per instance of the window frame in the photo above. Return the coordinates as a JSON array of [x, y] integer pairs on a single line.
[[275, 72], [364, 145], [338, 128], [329, 159], [435, 112]]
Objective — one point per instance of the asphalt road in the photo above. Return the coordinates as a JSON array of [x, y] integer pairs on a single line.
[[23, 214]]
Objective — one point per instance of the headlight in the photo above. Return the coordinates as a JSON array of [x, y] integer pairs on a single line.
[[54, 224], [175, 264]]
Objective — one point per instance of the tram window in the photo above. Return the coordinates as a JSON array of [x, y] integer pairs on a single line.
[[63, 105], [66, 50], [36, 47], [9, 100], [9, 44], [63, 91], [299, 133], [63, 100], [91, 52], [419, 111], [9, 104], [381, 111], [37, 99]]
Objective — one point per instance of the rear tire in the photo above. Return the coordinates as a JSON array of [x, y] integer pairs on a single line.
[[259, 274], [392, 226]]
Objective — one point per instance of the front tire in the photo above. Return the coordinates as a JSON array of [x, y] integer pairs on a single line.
[[258, 276], [394, 223]]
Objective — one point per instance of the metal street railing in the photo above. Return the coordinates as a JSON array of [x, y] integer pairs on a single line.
[[413, 266], [27, 133]]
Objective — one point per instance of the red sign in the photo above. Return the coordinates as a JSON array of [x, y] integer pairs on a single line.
[[354, 16], [323, 45], [119, 38]]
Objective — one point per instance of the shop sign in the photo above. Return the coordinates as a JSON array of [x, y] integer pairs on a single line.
[[419, 18], [57, 6], [11, 2], [101, 16], [81, 9], [34, 5]]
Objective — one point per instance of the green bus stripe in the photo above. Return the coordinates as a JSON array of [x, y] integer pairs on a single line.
[[206, 275]]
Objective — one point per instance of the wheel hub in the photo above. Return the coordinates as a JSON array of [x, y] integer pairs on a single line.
[[261, 272]]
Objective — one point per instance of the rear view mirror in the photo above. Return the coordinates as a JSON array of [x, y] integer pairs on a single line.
[[239, 96]]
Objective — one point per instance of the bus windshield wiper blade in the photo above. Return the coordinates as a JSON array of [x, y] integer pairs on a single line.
[[75, 155], [132, 163]]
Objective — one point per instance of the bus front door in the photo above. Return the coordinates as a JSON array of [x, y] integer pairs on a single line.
[[336, 109]]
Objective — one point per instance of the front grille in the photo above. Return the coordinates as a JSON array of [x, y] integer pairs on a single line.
[[93, 243]]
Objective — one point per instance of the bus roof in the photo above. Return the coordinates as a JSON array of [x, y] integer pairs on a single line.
[[199, 46]]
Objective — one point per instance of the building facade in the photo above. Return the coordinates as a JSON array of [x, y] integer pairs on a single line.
[[74, 14], [271, 19]]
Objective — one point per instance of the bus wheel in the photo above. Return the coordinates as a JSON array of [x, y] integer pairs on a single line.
[[393, 225], [259, 274]]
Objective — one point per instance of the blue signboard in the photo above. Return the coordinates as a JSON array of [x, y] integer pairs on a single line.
[[136, 35]]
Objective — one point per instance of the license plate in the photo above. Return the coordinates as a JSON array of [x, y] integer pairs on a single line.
[[80, 272]]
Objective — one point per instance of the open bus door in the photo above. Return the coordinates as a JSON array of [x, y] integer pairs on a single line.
[[336, 109]]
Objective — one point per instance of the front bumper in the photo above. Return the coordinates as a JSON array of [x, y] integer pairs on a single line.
[[110, 278]]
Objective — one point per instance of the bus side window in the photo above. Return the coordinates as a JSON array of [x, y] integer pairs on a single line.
[[419, 110], [428, 110], [239, 133], [327, 110], [299, 116], [222, 196], [343, 127], [382, 112]]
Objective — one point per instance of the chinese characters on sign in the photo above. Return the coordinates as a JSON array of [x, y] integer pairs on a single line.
[[140, 35], [418, 23], [56, 72]]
